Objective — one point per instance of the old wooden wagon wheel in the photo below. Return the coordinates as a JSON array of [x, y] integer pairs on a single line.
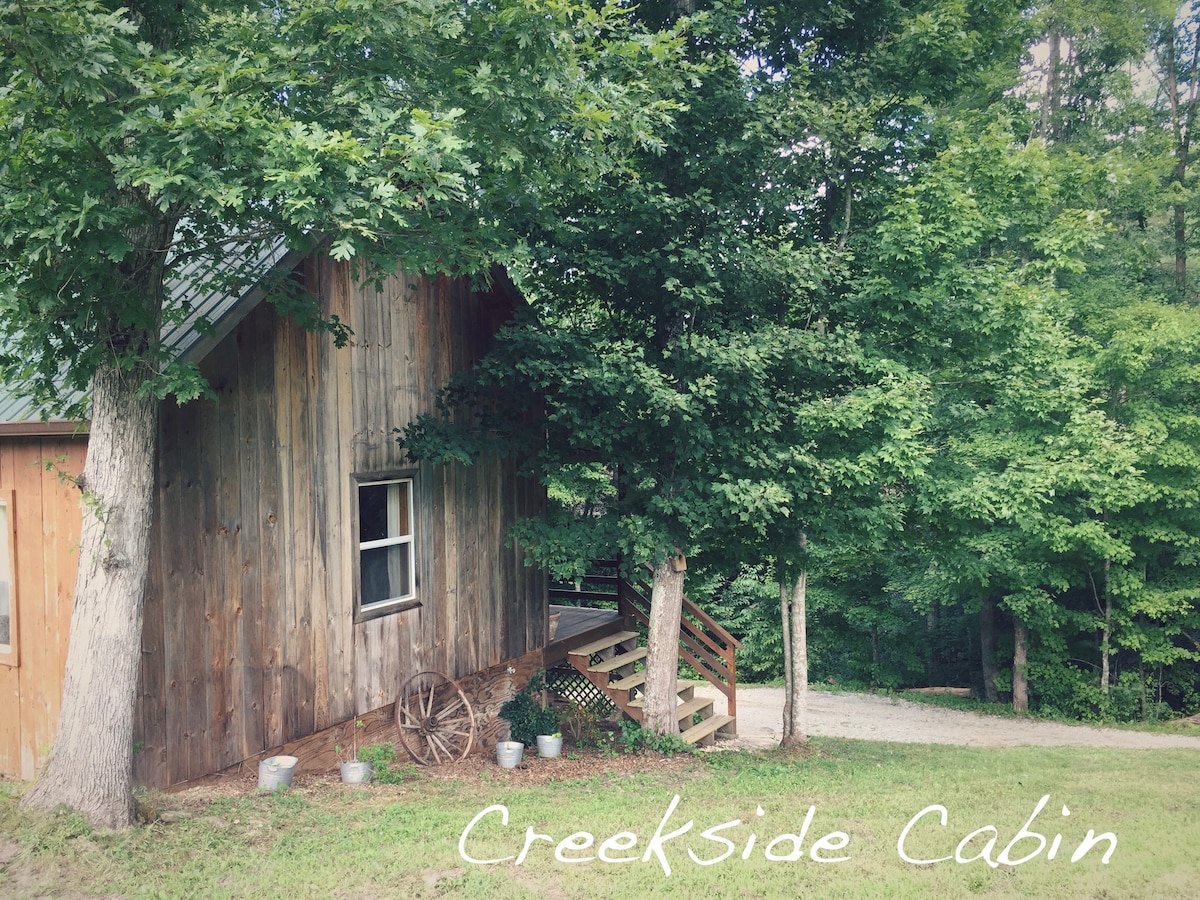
[[435, 719]]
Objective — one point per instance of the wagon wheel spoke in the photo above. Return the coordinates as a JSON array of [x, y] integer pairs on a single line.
[[431, 746], [434, 719], [406, 715], [427, 711], [462, 728], [451, 707]]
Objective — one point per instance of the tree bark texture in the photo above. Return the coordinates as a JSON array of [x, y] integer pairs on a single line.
[[1020, 676], [1052, 100], [90, 767], [795, 654], [1183, 118], [987, 649], [662, 653], [1106, 632]]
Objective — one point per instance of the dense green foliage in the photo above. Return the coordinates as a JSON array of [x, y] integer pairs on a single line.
[[138, 139], [528, 714], [910, 280]]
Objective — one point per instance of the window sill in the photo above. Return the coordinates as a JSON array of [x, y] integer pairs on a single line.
[[385, 609]]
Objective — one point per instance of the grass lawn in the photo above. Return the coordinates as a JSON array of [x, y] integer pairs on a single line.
[[327, 840]]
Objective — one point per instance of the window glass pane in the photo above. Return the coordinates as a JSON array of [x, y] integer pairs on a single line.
[[386, 574], [372, 512]]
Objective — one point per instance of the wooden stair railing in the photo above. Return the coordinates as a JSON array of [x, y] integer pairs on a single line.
[[707, 647], [703, 644]]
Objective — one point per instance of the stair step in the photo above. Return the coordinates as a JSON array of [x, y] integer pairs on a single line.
[[691, 707], [603, 643], [637, 679], [617, 662], [684, 690], [697, 733]]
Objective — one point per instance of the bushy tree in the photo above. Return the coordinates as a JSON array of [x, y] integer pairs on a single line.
[[141, 138]]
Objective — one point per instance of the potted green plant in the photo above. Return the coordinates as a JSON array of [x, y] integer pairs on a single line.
[[354, 770], [530, 717]]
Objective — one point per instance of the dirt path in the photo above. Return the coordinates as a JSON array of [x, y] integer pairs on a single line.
[[878, 718]]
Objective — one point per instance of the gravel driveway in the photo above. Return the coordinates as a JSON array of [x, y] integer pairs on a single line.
[[879, 718]]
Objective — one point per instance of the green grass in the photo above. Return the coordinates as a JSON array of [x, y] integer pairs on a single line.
[[402, 840]]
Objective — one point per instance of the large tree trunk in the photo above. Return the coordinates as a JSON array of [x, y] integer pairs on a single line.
[[91, 764], [1020, 674], [662, 655], [987, 649], [793, 611]]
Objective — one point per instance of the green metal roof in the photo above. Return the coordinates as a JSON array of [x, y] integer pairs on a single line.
[[217, 290]]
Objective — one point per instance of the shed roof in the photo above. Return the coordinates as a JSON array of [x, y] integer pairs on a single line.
[[218, 290]]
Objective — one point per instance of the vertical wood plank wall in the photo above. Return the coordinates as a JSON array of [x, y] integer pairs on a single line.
[[47, 515], [250, 638]]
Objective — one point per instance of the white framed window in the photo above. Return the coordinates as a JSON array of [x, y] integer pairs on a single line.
[[8, 593], [386, 558]]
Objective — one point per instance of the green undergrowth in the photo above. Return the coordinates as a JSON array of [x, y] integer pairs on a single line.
[[404, 840], [975, 705]]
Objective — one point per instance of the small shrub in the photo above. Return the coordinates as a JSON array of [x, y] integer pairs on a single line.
[[525, 714], [384, 767], [582, 726]]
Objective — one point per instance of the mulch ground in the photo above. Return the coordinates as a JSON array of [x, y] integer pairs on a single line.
[[573, 765]]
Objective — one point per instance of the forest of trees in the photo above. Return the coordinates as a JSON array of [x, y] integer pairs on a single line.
[[901, 312]]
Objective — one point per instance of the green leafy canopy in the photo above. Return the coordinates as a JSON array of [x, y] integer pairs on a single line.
[[135, 140]]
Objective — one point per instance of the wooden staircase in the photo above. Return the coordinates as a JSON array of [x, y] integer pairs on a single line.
[[615, 663]]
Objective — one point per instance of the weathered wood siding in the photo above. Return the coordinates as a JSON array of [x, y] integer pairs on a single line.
[[47, 517], [250, 639]]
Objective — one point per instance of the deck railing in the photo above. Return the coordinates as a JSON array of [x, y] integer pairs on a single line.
[[703, 643]]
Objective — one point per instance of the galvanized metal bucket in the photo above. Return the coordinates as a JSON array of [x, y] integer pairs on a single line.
[[508, 754], [549, 746], [276, 772], [356, 772]]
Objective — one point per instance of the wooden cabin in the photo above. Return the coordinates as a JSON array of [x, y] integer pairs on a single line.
[[301, 566]]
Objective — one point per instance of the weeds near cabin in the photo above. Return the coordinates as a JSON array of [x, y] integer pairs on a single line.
[[382, 758], [636, 739], [582, 725]]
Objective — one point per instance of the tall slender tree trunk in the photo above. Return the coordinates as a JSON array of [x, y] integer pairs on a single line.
[[662, 654], [1052, 100], [1106, 632], [874, 656], [1183, 118], [1020, 675], [987, 649], [91, 763], [789, 675], [793, 610]]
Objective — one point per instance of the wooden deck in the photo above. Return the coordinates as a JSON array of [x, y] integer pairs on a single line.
[[576, 625]]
